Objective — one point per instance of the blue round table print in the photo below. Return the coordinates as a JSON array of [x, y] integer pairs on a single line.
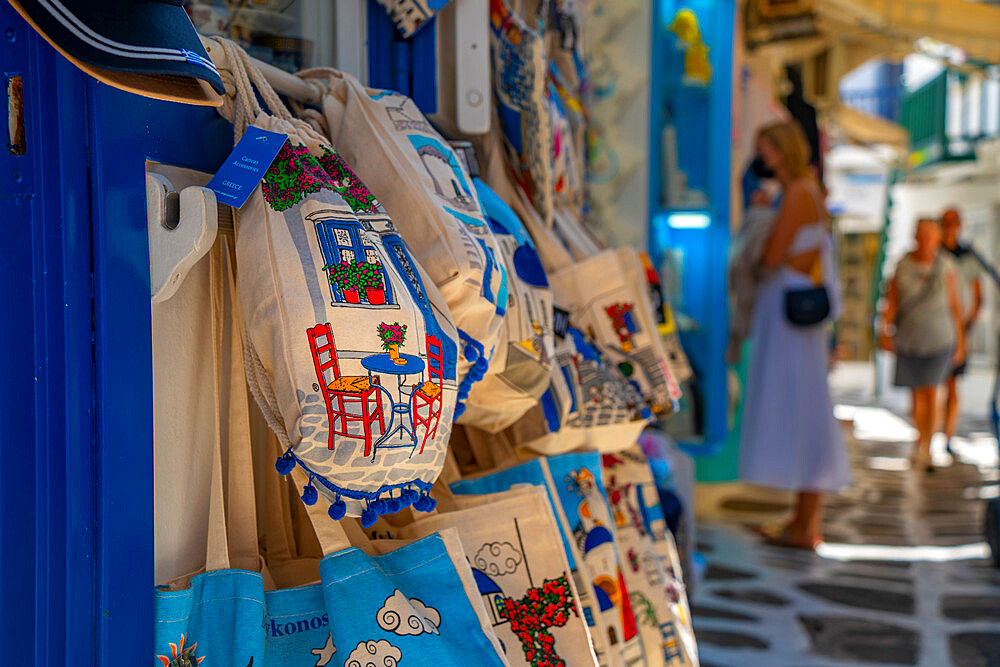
[[383, 363]]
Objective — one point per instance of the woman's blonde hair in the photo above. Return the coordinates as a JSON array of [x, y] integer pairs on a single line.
[[789, 139]]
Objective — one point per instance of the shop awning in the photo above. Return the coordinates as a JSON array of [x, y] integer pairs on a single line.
[[866, 129], [971, 26]]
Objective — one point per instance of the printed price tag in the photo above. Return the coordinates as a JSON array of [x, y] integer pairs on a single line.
[[245, 166]]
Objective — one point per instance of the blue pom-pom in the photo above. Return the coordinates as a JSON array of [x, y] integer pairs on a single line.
[[482, 364], [647, 413], [459, 409], [337, 510], [471, 353], [425, 504], [309, 494], [409, 496], [379, 506], [463, 393], [285, 464], [368, 518], [394, 505]]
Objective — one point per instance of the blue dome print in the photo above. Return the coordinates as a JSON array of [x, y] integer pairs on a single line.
[[595, 538]]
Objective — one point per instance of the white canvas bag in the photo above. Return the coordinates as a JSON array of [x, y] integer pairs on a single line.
[[351, 352]]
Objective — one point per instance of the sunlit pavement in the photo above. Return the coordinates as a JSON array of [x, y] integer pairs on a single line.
[[903, 578]]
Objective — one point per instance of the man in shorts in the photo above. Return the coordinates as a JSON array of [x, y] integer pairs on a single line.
[[971, 296]]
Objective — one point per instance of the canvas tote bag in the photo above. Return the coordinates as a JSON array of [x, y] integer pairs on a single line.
[[607, 297], [520, 568], [575, 492], [217, 613], [653, 569], [426, 188], [351, 353]]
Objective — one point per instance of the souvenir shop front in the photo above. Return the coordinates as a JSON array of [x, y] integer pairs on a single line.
[[343, 334]]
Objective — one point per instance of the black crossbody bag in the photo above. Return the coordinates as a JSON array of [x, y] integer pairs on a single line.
[[808, 306]]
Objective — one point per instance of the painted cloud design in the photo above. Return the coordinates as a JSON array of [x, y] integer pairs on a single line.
[[497, 558], [407, 616], [374, 654]]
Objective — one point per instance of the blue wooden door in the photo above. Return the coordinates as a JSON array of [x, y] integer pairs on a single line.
[[76, 484]]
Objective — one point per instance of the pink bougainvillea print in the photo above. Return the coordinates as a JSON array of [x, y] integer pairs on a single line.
[[293, 174], [180, 655], [532, 616], [347, 183]]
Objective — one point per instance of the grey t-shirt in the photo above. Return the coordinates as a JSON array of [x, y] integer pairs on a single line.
[[924, 322]]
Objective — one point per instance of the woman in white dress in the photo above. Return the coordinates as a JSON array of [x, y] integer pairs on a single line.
[[789, 437]]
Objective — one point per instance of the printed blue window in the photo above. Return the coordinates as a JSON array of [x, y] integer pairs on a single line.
[[345, 241]]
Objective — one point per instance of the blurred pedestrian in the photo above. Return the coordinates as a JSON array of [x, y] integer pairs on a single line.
[[789, 438], [970, 293], [923, 325]]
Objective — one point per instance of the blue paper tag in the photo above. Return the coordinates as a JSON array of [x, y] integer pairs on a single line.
[[245, 166]]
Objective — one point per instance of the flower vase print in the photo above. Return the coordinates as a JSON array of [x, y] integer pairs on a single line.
[[392, 336]]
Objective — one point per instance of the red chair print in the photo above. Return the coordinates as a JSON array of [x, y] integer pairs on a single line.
[[429, 394], [345, 390]]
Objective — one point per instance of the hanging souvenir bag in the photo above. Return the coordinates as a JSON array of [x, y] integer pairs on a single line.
[[607, 296], [573, 482], [677, 361], [520, 568], [427, 190], [351, 353], [520, 91], [521, 366], [419, 601], [652, 567]]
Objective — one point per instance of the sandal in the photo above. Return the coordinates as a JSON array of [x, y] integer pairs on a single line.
[[782, 540]]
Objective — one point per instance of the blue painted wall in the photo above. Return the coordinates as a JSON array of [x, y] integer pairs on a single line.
[[702, 116]]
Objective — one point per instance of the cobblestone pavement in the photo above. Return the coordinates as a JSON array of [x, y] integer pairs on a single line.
[[903, 578]]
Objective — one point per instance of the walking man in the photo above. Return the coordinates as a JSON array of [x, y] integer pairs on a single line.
[[970, 292]]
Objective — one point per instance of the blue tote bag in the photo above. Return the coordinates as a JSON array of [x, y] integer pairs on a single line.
[[411, 605]]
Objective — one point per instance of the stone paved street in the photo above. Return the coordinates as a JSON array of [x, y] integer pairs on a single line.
[[903, 578]]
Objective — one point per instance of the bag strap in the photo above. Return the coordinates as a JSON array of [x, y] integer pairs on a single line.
[[331, 535], [241, 514], [232, 521]]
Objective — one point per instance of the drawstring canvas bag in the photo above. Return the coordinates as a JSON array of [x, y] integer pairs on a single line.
[[521, 367], [427, 190], [351, 353]]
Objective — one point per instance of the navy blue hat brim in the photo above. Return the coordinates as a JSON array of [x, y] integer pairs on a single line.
[[131, 37]]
